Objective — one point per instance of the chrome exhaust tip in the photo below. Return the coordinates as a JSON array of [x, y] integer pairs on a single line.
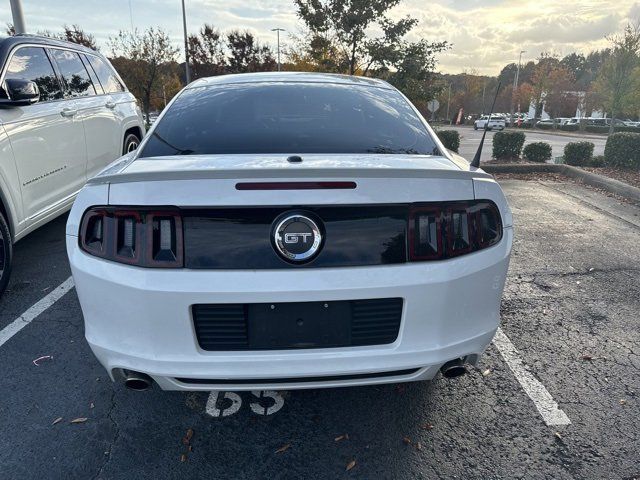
[[453, 368], [137, 381]]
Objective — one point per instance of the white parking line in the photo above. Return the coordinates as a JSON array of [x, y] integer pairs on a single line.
[[544, 402], [36, 309]]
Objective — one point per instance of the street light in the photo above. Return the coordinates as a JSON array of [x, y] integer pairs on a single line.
[[515, 83], [278, 30], [18, 17], [187, 71]]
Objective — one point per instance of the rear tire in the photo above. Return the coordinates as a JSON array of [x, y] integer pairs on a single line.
[[6, 254], [131, 142]]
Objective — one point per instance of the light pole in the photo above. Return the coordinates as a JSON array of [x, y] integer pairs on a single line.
[[278, 30], [515, 84], [18, 17], [449, 103], [187, 71]]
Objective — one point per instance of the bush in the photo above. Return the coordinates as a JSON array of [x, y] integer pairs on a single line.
[[578, 153], [544, 126], [507, 145], [570, 127], [597, 161], [537, 152], [623, 150], [450, 139]]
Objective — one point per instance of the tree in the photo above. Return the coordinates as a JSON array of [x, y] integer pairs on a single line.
[[207, 52], [347, 24], [560, 97], [540, 80], [616, 83], [143, 59], [247, 55], [76, 34]]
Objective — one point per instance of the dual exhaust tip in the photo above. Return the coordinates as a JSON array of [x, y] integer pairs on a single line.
[[141, 381], [137, 381], [454, 368]]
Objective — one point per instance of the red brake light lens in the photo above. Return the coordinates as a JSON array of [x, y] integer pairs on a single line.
[[449, 229], [141, 237]]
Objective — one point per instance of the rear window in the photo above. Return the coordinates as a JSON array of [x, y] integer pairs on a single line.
[[289, 118]]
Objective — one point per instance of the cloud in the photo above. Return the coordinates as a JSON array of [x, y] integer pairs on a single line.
[[485, 34]]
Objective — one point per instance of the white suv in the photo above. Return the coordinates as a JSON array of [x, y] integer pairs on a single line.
[[497, 122], [64, 115]]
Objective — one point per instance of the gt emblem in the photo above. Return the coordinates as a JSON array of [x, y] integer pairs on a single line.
[[296, 237]]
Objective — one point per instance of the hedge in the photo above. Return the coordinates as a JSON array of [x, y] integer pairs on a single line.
[[570, 127], [450, 139], [507, 145], [623, 150], [605, 129], [578, 153], [597, 161], [537, 152]]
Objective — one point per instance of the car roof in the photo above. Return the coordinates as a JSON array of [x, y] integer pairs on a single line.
[[8, 43], [290, 77]]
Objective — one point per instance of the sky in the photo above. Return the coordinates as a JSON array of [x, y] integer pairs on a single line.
[[485, 34]]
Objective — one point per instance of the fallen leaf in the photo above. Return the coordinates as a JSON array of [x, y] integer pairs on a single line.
[[591, 269], [79, 420], [283, 448], [44, 357], [418, 446], [91, 405], [587, 357], [187, 438], [350, 465], [57, 420], [183, 457], [623, 401], [578, 282], [190, 448], [557, 434], [427, 426], [486, 372], [406, 440], [342, 437]]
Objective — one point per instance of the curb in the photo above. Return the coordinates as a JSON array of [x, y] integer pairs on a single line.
[[609, 184]]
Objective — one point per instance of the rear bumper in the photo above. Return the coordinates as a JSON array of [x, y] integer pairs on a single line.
[[140, 319]]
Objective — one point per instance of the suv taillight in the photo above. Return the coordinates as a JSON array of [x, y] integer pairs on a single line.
[[444, 230], [141, 237]]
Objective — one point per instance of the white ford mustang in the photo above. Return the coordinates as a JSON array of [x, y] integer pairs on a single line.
[[289, 230]]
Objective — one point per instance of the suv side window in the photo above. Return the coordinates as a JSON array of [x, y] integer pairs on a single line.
[[107, 77], [75, 76], [92, 74], [32, 63]]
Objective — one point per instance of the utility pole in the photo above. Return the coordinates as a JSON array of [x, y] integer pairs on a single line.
[[18, 17], [449, 103], [515, 85], [187, 71], [278, 30]]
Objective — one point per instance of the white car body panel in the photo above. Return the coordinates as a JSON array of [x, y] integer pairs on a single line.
[[169, 350]]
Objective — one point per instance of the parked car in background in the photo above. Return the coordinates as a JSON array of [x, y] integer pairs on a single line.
[[65, 115], [496, 122], [281, 231]]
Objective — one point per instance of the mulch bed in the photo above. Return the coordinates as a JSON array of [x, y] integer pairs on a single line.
[[631, 177]]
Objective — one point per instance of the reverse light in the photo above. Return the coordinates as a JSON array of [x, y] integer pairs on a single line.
[[141, 237], [449, 229]]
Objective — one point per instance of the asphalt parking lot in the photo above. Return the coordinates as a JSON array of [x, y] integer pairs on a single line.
[[470, 139], [570, 309]]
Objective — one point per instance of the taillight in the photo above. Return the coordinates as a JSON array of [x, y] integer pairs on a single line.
[[142, 237], [444, 230]]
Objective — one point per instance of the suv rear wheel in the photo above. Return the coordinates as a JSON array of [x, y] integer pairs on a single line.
[[131, 142], [6, 252]]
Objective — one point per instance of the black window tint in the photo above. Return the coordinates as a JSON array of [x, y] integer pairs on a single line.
[[76, 77], [32, 63], [105, 73], [289, 118], [92, 74]]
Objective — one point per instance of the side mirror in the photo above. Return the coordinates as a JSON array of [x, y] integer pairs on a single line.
[[20, 92]]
